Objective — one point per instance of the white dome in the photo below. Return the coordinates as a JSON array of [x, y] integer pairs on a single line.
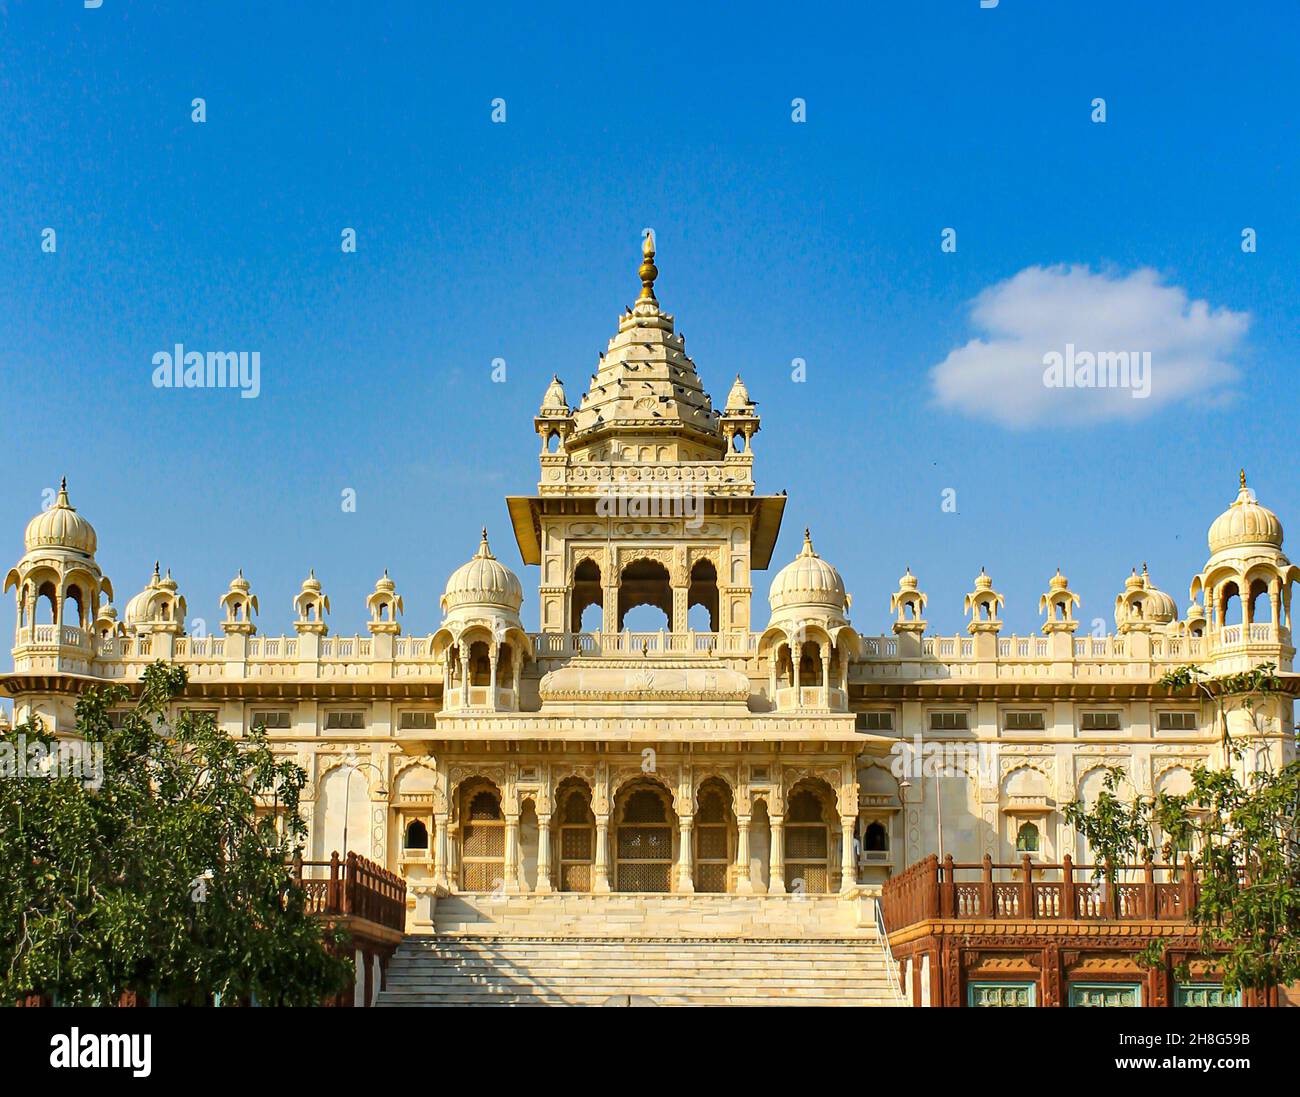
[[483, 581], [61, 527], [140, 609], [1246, 522], [808, 580]]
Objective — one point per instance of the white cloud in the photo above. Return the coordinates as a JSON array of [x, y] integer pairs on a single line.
[[1044, 310]]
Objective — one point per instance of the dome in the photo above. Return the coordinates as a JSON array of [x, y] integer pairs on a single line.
[[554, 400], [907, 581], [808, 581], [1245, 523], [61, 527], [483, 581], [738, 398], [139, 610], [1143, 601], [1058, 581]]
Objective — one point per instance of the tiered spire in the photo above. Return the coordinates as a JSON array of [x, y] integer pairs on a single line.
[[645, 395]]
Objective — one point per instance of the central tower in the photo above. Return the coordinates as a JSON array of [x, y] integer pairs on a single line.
[[647, 492]]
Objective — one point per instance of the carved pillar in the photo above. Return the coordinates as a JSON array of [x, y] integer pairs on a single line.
[[453, 855], [680, 608], [440, 848], [511, 874], [609, 611], [776, 858], [744, 885], [600, 870], [685, 855], [493, 655], [544, 853], [848, 863]]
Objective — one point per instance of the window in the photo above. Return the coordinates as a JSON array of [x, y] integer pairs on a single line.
[[1027, 838], [417, 835], [345, 721], [949, 721], [1001, 994], [876, 721], [1100, 721], [1176, 721], [1024, 721], [875, 839], [417, 721], [1204, 995], [117, 718], [278, 719], [1105, 994]]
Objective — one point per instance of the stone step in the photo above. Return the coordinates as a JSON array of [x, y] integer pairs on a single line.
[[532, 970]]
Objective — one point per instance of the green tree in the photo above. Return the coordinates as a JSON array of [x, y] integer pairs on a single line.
[[1242, 829], [166, 875]]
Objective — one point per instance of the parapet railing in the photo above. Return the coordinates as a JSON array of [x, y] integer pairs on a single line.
[[352, 886], [1032, 890], [120, 656]]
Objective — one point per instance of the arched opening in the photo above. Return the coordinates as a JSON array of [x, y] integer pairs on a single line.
[[810, 663], [483, 839], [1258, 590], [1027, 838], [784, 668], [417, 836], [576, 841], [74, 609], [875, 839], [47, 599], [553, 442], [703, 592], [714, 851], [1231, 611], [645, 583], [808, 842], [588, 595], [505, 665], [480, 664], [644, 839]]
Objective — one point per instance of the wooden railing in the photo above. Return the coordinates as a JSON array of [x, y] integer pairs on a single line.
[[1032, 890], [352, 886]]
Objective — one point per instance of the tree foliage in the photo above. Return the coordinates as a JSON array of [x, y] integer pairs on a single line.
[[170, 877], [1240, 829]]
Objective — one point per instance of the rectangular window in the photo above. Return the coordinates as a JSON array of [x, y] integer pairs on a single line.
[[1001, 994], [117, 718], [876, 721], [345, 721], [1024, 721], [1176, 721], [277, 719], [1204, 995], [1100, 721], [949, 721], [417, 721], [1105, 994]]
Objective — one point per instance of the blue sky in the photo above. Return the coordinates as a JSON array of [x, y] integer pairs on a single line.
[[777, 241]]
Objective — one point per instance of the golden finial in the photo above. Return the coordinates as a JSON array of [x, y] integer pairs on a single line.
[[649, 272], [1243, 478]]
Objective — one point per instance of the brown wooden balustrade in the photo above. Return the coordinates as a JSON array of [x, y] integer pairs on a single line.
[[352, 886], [1031, 890]]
